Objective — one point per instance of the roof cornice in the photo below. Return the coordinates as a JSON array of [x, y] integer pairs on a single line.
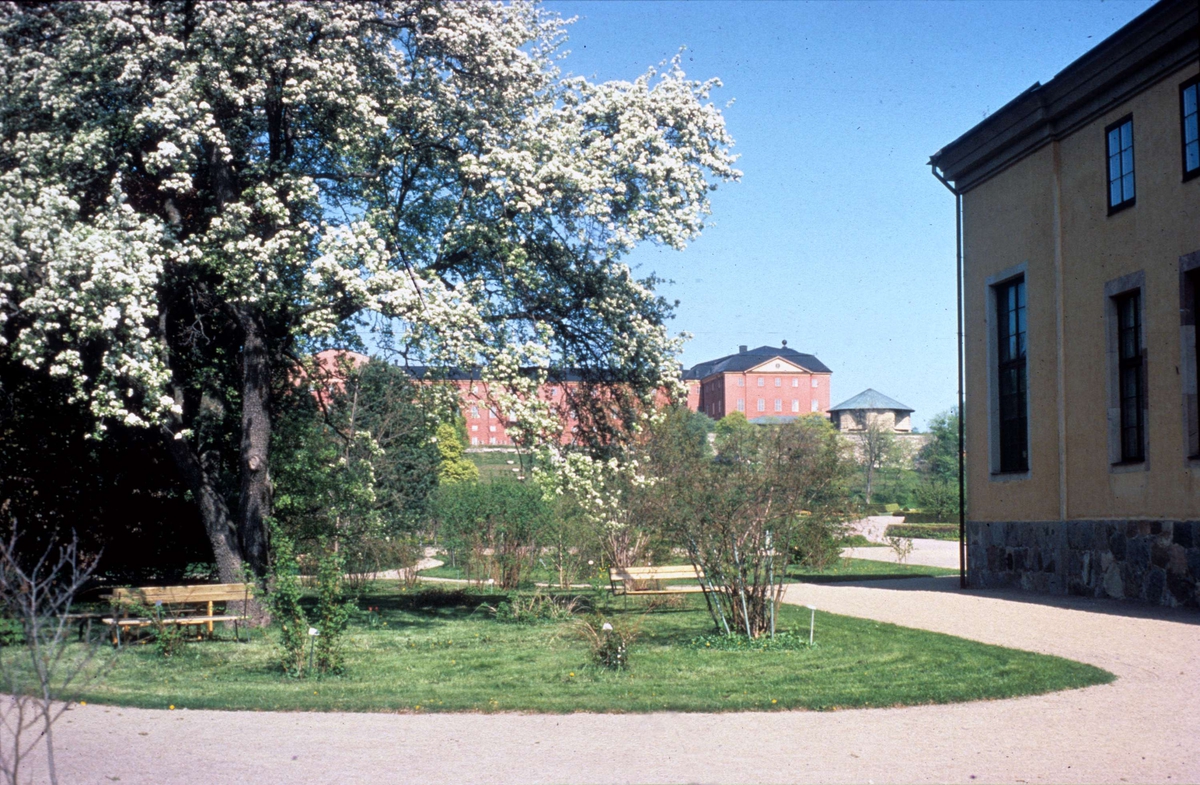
[[1160, 41]]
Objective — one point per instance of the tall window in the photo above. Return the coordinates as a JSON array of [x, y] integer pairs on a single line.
[[778, 382], [778, 404], [796, 405], [762, 405], [1120, 164], [761, 381], [816, 407], [1189, 114], [741, 381], [741, 406], [796, 381], [816, 382], [1132, 383], [1013, 384]]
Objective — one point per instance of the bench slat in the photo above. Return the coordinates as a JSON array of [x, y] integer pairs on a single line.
[[142, 622], [213, 592]]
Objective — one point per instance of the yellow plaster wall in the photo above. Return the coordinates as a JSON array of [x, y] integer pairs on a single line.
[[1010, 220]]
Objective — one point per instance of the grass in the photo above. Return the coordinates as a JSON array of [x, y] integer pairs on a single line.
[[866, 570], [494, 464], [441, 652], [842, 570]]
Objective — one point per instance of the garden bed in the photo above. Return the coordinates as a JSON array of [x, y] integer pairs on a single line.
[[435, 650]]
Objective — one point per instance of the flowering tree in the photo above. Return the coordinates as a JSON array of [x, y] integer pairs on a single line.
[[193, 194]]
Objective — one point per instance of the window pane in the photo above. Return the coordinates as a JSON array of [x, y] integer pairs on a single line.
[[1114, 193], [1193, 156], [1114, 168], [1127, 183], [1191, 128], [1114, 141], [1126, 135], [1189, 100], [1127, 161]]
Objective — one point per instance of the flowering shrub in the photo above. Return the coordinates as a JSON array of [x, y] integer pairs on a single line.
[[194, 191]]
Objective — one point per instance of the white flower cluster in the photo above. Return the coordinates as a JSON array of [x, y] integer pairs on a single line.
[[318, 162]]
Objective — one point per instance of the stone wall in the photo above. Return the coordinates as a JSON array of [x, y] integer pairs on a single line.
[[1151, 561]]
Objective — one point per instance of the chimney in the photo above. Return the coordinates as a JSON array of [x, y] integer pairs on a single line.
[[742, 349]]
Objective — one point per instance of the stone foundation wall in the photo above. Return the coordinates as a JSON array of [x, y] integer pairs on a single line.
[[1157, 562]]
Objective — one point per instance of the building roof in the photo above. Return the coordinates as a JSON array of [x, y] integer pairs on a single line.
[[750, 358], [1157, 43], [871, 399]]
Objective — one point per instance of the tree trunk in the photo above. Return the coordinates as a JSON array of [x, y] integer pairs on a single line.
[[255, 500], [213, 510]]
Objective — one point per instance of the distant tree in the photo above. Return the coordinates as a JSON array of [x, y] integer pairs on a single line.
[[938, 492], [939, 456], [877, 450], [357, 460], [454, 465]]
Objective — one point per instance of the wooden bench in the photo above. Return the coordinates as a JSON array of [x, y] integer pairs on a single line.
[[181, 605], [632, 581]]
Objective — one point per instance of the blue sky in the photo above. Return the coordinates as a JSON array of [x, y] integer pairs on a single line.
[[837, 239]]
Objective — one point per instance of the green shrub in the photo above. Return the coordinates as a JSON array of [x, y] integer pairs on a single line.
[[333, 614], [169, 639], [11, 632], [284, 600], [609, 641]]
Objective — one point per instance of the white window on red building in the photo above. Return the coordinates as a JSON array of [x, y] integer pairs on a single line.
[[492, 428], [474, 427], [475, 412], [778, 382], [741, 381], [474, 388], [474, 440], [778, 405], [816, 407], [796, 405], [762, 405], [741, 404], [761, 381], [815, 382], [492, 440], [796, 381]]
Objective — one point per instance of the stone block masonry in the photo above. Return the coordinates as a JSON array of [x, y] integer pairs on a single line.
[[1151, 561]]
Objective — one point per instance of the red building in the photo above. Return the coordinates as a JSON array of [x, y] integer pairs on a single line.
[[768, 382]]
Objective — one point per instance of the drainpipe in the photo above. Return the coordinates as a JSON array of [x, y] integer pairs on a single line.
[[962, 485]]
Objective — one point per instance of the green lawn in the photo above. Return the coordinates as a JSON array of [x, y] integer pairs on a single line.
[[440, 651], [843, 570], [866, 570], [494, 464]]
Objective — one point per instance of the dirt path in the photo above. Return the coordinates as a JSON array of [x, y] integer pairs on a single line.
[[1142, 728]]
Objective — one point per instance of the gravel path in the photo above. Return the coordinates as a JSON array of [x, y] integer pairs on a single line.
[[1142, 728], [929, 553]]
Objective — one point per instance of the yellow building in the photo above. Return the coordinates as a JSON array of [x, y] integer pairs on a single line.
[[1080, 242]]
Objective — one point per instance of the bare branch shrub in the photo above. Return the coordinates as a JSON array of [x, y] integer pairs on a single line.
[[42, 674]]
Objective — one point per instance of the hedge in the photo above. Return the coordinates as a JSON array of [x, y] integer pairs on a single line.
[[923, 531]]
